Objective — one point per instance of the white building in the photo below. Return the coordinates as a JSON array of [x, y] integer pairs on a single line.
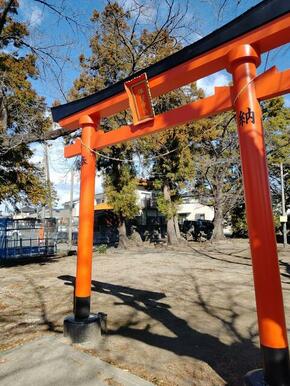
[[191, 209]]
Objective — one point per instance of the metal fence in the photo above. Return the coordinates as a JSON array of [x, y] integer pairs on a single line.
[[27, 237]]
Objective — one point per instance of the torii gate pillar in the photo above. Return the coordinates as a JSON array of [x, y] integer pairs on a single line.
[[272, 328], [84, 326]]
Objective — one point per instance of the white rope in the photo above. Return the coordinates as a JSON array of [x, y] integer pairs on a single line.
[[148, 158], [130, 160]]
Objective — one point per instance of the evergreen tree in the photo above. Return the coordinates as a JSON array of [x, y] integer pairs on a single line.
[[176, 168], [21, 111], [120, 48]]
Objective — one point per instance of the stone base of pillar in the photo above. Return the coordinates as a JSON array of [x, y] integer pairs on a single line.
[[255, 378], [85, 330]]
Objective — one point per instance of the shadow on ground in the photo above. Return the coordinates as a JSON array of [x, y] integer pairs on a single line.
[[247, 261], [231, 362], [13, 262], [18, 321]]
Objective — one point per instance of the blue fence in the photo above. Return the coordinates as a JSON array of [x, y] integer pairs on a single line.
[[27, 238]]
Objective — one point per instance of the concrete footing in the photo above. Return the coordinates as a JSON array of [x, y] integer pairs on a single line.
[[255, 378], [85, 330]]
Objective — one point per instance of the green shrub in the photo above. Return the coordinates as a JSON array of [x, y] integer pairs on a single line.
[[102, 248]]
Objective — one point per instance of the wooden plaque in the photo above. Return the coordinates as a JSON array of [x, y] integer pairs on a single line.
[[140, 99]]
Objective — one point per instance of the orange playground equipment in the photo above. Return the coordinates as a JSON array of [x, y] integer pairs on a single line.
[[236, 47]]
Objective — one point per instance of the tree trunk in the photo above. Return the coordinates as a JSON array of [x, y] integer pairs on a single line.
[[123, 239], [3, 116], [218, 232], [136, 238], [171, 233], [177, 230]]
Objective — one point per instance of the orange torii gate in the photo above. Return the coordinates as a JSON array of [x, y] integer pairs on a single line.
[[236, 47]]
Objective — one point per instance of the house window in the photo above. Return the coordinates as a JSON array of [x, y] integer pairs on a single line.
[[182, 217], [200, 216]]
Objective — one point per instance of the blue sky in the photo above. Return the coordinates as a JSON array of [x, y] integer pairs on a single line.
[[48, 30], [69, 41]]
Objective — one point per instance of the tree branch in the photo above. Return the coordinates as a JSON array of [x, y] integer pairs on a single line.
[[4, 14], [7, 142]]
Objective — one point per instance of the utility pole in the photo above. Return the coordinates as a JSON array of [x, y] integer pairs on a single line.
[[70, 219], [46, 165], [284, 214]]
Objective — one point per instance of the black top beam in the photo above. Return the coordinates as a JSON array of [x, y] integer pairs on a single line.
[[255, 17]]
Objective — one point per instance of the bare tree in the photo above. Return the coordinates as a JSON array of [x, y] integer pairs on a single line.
[[219, 180]]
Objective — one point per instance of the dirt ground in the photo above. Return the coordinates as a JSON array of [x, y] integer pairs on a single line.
[[175, 317]]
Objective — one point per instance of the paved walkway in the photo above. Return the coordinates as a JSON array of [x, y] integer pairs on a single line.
[[50, 361]]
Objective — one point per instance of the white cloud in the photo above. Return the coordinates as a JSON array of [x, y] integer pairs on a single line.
[[36, 17], [32, 14], [148, 10], [210, 82], [59, 167]]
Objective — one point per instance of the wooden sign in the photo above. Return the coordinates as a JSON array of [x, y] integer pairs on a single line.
[[139, 99]]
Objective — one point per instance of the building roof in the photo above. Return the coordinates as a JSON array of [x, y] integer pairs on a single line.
[[103, 206], [28, 209]]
